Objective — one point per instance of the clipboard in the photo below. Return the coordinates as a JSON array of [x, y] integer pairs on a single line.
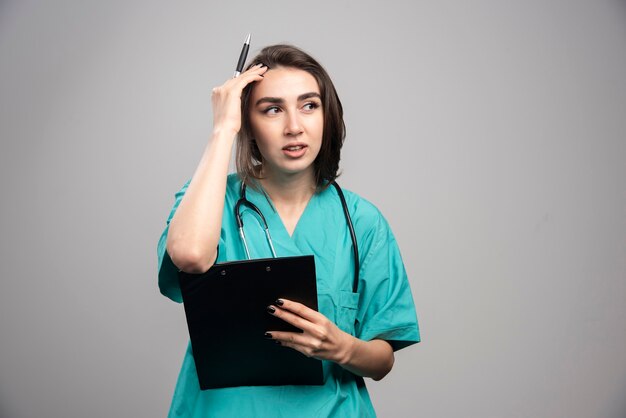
[[227, 318]]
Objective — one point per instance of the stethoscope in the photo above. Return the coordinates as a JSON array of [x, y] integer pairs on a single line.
[[245, 202]]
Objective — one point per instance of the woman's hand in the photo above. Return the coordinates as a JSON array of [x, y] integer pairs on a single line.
[[323, 340], [226, 100]]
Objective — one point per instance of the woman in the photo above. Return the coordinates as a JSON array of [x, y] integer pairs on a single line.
[[288, 122]]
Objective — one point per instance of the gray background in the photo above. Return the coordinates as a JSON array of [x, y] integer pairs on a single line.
[[492, 135]]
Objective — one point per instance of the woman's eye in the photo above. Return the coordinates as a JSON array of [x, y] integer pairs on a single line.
[[310, 106], [272, 110]]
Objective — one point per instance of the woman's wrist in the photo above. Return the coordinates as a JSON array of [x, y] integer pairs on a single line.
[[223, 133], [347, 353], [367, 358]]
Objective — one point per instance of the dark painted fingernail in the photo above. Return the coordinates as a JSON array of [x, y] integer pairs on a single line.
[[268, 335], [279, 302], [271, 309]]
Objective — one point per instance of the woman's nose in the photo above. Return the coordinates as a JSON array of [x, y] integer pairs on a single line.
[[293, 125]]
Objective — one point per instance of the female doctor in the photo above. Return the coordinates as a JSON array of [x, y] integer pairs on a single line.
[[285, 116]]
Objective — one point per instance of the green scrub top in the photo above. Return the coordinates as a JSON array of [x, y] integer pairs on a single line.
[[383, 308]]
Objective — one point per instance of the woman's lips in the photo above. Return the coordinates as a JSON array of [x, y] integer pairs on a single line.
[[295, 150]]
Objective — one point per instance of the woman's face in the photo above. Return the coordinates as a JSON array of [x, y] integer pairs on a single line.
[[287, 120]]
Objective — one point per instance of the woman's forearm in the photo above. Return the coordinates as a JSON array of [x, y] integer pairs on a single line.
[[194, 231], [369, 358]]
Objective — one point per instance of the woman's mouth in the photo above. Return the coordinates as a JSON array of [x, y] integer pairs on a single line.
[[295, 150]]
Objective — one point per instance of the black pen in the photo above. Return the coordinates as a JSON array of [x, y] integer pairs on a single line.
[[242, 57]]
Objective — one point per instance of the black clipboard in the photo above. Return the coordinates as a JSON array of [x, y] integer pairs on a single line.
[[227, 318]]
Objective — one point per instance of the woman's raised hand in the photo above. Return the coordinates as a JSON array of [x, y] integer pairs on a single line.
[[226, 100]]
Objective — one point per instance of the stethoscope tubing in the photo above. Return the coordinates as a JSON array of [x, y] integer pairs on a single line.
[[245, 202]]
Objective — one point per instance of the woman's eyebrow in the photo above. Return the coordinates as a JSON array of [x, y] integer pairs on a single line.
[[278, 100], [308, 96]]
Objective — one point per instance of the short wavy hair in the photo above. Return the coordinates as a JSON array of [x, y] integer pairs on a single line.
[[326, 166]]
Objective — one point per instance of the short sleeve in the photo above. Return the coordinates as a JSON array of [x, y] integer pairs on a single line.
[[168, 272], [386, 310]]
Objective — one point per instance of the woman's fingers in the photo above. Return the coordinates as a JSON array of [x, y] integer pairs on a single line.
[[303, 343], [255, 69], [226, 99], [320, 337], [300, 310], [254, 73], [294, 338], [237, 84], [292, 318]]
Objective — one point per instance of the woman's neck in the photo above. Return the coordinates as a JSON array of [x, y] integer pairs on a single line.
[[290, 194], [293, 189]]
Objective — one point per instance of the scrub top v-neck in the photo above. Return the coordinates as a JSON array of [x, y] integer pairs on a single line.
[[275, 223], [382, 309], [280, 223]]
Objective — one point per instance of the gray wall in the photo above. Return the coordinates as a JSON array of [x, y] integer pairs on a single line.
[[492, 134]]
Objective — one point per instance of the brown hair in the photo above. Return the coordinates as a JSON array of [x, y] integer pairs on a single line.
[[326, 165]]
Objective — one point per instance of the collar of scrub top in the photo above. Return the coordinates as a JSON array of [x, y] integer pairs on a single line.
[[245, 202]]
